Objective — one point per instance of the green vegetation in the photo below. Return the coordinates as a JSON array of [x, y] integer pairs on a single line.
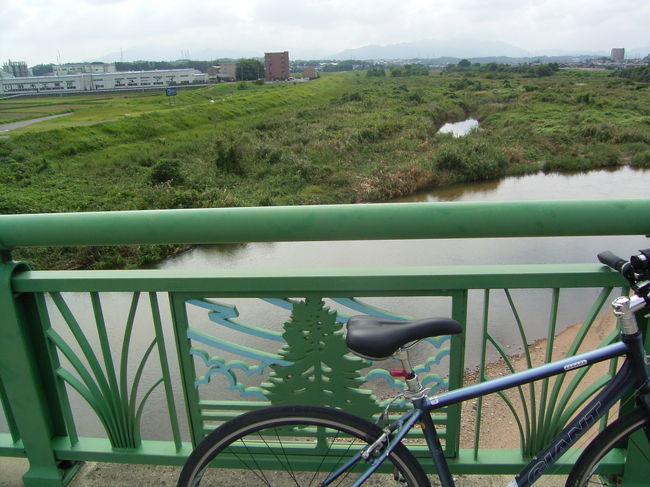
[[640, 74], [532, 70], [249, 69], [409, 70], [347, 137], [376, 72], [85, 109]]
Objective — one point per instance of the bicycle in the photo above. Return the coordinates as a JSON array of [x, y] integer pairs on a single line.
[[325, 446]]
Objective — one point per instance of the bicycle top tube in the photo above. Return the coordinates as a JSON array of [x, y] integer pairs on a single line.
[[528, 375]]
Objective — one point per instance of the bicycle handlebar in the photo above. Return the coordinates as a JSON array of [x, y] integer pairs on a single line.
[[612, 260], [636, 270]]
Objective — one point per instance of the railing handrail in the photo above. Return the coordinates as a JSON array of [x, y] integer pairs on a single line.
[[333, 281], [329, 222]]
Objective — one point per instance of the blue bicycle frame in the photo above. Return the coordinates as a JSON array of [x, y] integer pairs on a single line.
[[632, 374]]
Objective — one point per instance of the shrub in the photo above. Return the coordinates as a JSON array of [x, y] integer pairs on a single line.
[[355, 96], [376, 133], [604, 155], [415, 97], [166, 171], [631, 134], [5, 149], [229, 158], [275, 156], [601, 132], [641, 160], [474, 159], [376, 72], [586, 98], [567, 163]]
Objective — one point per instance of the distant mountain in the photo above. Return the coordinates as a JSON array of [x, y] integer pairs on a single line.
[[459, 48], [430, 49], [469, 48]]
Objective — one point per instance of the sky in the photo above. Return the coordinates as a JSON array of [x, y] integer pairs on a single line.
[[47, 31]]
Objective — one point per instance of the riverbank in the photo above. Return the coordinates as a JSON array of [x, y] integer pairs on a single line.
[[344, 138]]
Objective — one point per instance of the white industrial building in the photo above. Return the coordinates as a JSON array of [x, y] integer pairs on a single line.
[[84, 82], [75, 68]]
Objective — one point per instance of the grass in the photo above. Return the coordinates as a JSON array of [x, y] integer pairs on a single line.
[[83, 108], [344, 138]]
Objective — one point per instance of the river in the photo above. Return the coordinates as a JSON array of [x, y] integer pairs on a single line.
[[620, 183]]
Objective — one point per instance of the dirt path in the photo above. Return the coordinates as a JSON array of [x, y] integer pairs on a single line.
[[6, 127]]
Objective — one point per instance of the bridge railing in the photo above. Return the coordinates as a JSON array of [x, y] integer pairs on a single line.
[[136, 366]]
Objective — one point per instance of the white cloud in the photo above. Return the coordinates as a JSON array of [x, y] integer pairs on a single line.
[[35, 30]]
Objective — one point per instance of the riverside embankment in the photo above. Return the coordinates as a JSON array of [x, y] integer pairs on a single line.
[[344, 138]]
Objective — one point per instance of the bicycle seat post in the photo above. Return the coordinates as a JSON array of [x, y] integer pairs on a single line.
[[414, 389]]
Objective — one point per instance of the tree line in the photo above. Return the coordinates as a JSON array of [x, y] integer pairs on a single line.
[[533, 70], [640, 73]]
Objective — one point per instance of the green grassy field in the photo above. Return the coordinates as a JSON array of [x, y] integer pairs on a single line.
[[96, 107], [343, 138]]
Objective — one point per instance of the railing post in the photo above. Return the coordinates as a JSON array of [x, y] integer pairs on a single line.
[[27, 391], [456, 374]]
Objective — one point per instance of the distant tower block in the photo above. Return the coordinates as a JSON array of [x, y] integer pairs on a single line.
[[276, 66], [618, 54]]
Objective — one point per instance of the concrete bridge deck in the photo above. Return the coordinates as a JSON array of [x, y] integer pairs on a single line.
[[118, 475]]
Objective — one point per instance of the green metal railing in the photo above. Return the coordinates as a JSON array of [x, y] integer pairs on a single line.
[[106, 351]]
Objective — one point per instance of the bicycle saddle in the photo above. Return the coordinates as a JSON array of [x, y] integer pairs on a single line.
[[378, 338]]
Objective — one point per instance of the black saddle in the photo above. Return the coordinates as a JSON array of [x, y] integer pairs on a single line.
[[378, 338]]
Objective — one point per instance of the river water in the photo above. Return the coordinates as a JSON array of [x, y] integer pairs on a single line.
[[459, 129], [620, 183]]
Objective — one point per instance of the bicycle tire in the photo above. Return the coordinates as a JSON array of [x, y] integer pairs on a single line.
[[583, 472], [334, 432]]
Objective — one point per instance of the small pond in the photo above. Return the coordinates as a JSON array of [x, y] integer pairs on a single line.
[[458, 129]]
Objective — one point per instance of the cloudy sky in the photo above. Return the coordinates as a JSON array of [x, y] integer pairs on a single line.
[[44, 31]]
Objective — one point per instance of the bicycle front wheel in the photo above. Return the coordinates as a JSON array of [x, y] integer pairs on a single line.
[[584, 472], [294, 446]]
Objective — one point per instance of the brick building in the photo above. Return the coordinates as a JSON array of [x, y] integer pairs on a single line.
[[618, 54], [276, 66]]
